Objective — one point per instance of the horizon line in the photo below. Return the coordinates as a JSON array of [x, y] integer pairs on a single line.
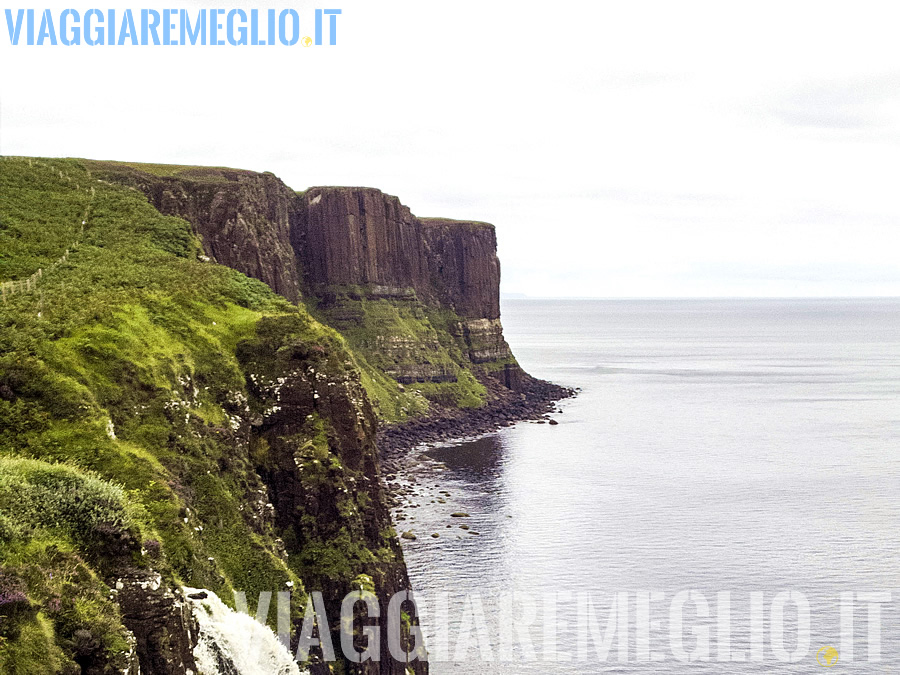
[[522, 296]]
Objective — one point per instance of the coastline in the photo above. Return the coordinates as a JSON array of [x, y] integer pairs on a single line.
[[535, 401]]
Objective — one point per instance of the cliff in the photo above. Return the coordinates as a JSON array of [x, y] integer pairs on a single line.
[[361, 236], [417, 298], [222, 364], [243, 218], [214, 435], [357, 243]]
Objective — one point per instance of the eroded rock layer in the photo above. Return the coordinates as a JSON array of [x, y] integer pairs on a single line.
[[347, 248]]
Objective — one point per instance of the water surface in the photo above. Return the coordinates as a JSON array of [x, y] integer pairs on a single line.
[[716, 445]]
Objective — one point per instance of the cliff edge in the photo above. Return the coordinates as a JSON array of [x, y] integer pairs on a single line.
[[203, 377], [417, 299]]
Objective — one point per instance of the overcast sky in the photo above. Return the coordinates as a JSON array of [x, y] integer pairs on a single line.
[[621, 148]]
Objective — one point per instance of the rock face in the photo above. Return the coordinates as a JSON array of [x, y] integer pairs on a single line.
[[244, 218], [361, 236], [331, 240], [463, 266], [161, 622], [313, 438]]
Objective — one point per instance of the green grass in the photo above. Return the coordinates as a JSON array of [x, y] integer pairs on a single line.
[[122, 365], [44, 217], [471, 224], [58, 524], [131, 381], [402, 337], [124, 408], [80, 507], [202, 173], [33, 652]]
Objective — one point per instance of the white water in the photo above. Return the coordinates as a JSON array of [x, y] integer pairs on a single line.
[[237, 639]]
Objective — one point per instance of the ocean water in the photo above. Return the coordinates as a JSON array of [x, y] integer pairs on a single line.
[[747, 447]]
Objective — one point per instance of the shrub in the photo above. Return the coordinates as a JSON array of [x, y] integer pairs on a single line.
[[37, 495]]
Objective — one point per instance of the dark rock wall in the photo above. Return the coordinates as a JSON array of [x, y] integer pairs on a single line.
[[161, 622], [463, 266], [361, 236], [327, 236], [244, 218], [326, 488]]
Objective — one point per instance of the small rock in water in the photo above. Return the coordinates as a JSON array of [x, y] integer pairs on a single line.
[[408, 535], [462, 527], [459, 514], [435, 535], [553, 422]]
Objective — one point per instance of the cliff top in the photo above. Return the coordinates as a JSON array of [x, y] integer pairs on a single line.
[[203, 173], [222, 174], [348, 188], [438, 222]]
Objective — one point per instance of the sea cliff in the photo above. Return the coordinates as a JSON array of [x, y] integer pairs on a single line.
[[224, 367]]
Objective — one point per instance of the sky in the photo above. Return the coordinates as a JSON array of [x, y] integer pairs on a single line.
[[621, 149]]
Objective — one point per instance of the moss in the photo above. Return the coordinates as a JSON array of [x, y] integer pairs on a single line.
[[391, 401], [471, 224], [498, 365], [335, 558], [247, 560], [363, 582], [466, 392]]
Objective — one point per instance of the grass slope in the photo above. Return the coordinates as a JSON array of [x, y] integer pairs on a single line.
[[119, 379]]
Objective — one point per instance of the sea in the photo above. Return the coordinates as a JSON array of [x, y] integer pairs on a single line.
[[722, 495]]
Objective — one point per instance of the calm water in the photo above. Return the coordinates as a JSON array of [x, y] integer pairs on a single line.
[[743, 446]]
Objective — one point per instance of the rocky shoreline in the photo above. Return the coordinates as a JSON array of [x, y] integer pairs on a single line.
[[535, 400]]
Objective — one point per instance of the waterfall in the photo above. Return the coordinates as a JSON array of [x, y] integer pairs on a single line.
[[234, 643]]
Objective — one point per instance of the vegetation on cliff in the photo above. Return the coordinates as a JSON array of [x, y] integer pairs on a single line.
[[138, 387], [194, 364], [416, 299]]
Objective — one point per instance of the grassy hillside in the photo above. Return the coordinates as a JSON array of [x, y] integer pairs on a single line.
[[124, 419], [406, 340]]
